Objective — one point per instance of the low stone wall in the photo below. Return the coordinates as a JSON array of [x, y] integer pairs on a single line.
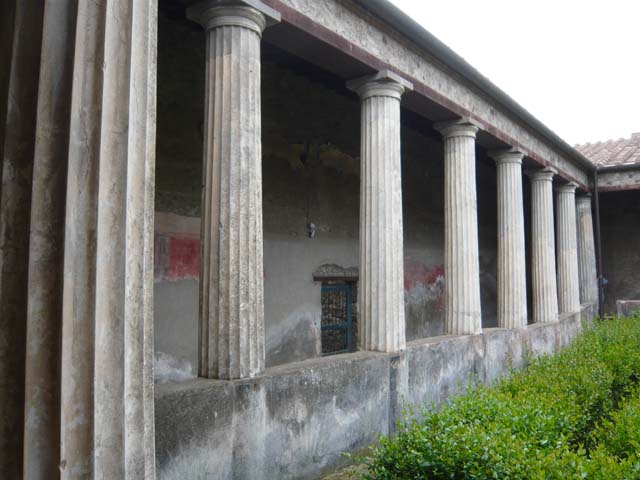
[[627, 307], [296, 420]]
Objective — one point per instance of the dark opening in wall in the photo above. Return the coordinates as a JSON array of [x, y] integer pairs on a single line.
[[339, 324], [339, 302]]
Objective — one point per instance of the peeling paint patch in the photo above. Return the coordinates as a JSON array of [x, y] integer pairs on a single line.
[[423, 284], [296, 338], [167, 368]]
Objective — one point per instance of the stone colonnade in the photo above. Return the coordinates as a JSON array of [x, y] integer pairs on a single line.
[[77, 152], [77, 143], [231, 311]]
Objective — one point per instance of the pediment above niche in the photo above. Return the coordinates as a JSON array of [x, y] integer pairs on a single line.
[[331, 271]]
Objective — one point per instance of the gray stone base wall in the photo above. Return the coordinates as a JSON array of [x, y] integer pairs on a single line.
[[296, 420]]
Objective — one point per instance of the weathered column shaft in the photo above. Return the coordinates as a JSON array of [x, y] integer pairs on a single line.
[[123, 248], [81, 116], [586, 251], [543, 261], [567, 246], [512, 275], [18, 126], [381, 291], [461, 263], [231, 281], [46, 244], [78, 322]]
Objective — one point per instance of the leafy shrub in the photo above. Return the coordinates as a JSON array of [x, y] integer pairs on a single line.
[[557, 418], [620, 435]]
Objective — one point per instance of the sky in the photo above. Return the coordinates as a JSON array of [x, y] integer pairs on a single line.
[[573, 64]]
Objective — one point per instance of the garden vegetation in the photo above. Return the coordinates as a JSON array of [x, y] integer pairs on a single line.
[[575, 415]]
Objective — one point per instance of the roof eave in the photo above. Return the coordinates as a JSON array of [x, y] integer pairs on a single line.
[[398, 20]]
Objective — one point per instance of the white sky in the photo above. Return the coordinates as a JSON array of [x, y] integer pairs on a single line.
[[573, 64]]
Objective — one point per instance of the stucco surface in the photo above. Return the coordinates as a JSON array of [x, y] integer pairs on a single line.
[[295, 421]]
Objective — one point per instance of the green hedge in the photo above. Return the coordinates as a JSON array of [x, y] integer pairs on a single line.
[[573, 415]]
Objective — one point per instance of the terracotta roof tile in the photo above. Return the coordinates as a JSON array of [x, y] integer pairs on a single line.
[[623, 151]]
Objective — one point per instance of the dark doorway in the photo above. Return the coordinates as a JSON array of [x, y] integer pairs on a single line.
[[338, 327]]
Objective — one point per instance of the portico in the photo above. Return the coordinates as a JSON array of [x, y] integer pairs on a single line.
[[321, 182]]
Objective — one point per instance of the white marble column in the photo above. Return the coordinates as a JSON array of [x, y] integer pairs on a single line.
[[586, 251], [543, 257], [231, 281], [567, 247], [461, 263], [512, 275], [381, 288]]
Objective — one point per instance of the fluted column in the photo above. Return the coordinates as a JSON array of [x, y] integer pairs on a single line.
[[461, 264], [567, 245], [543, 257], [512, 275], [18, 126], [586, 251], [231, 282], [381, 290], [78, 193], [46, 243], [79, 270]]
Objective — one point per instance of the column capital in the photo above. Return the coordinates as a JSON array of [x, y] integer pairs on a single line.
[[507, 155], [382, 84], [567, 188], [463, 127], [251, 14], [544, 175], [585, 198]]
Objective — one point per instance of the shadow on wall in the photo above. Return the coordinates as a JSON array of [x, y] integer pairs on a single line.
[[621, 246], [489, 288]]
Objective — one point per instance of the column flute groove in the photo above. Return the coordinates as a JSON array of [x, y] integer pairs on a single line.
[[543, 275], [567, 245], [512, 289], [381, 296], [231, 286], [586, 251], [462, 271]]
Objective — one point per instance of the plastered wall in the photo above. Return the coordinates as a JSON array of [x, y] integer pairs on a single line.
[[311, 167]]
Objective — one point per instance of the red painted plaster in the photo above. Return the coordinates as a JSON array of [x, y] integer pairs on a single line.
[[415, 273], [184, 258]]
